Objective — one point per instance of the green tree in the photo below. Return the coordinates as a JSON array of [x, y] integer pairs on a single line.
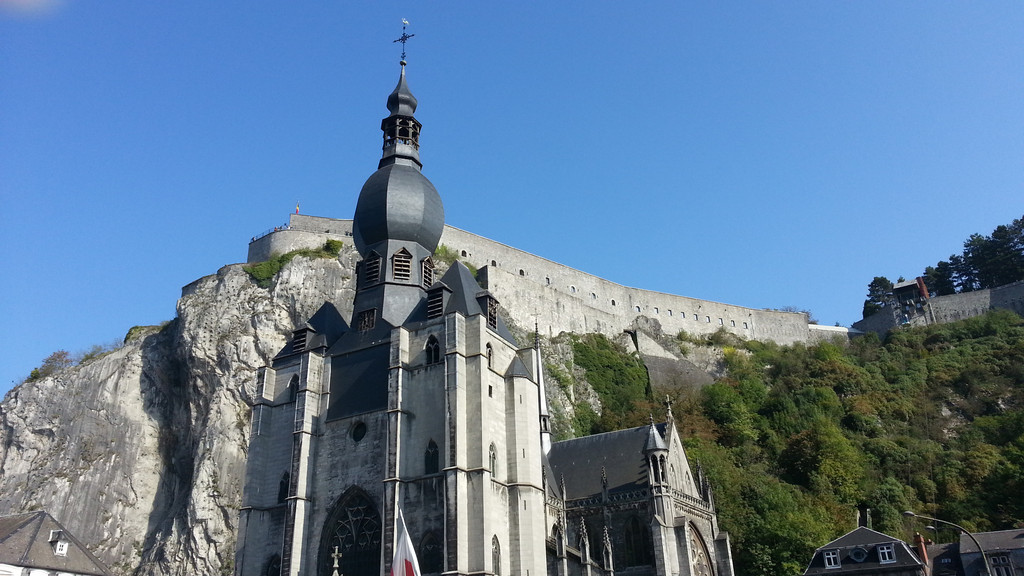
[[879, 290]]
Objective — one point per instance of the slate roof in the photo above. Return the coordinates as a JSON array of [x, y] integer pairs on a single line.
[[25, 542], [620, 453], [466, 294], [867, 540], [993, 541]]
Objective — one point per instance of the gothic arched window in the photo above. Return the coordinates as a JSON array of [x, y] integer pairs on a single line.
[[492, 453], [495, 555], [431, 461], [282, 488], [638, 552], [490, 356], [433, 349], [293, 388], [431, 553], [352, 530]]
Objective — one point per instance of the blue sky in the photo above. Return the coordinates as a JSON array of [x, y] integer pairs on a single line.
[[764, 154]]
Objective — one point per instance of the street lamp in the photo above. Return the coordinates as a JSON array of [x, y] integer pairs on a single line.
[[984, 558]]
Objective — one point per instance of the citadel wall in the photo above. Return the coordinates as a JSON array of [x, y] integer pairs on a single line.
[[563, 299], [948, 308]]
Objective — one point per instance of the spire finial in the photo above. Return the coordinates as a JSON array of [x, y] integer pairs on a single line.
[[404, 38]]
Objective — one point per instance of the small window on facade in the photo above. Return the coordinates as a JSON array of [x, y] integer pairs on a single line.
[[366, 319], [669, 311], [493, 263], [490, 391], [433, 349], [490, 356], [707, 319], [886, 554], [427, 268], [522, 272], [61, 549], [496, 555], [464, 254], [732, 323], [744, 325], [293, 388], [637, 308], [358, 431], [613, 302], [831, 558], [593, 295], [492, 456], [655, 309], [694, 317], [371, 268], [572, 289], [721, 322], [431, 461], [547, 280], [401, 265]]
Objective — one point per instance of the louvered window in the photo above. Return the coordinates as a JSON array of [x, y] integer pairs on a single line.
[[427, 267], [401, 265], [299, 343], [371, 269], [435, 304], [492, 313]]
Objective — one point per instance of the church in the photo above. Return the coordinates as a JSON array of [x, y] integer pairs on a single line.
[[423, 402]]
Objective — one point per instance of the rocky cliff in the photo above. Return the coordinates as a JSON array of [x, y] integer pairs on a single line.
[[141, 452]]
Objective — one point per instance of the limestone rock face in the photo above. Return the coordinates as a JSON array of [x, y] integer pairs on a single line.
[[140, 453]]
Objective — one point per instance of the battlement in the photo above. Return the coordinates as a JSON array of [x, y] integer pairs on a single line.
[[561, 298]]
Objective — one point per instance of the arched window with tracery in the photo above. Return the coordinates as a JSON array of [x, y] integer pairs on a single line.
[[352, 534], [431, 459], [495, 555], [433, 349], [293, 388], [431, 553], [638, 549]]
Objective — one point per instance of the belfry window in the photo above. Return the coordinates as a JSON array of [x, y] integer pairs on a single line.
[[492, 313], [435, 304], [427, 269], [371, 269], [431, 460], [433, 350], [401, 265], [367, 319]]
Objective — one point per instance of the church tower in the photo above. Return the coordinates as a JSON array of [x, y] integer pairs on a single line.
[[421, 401]]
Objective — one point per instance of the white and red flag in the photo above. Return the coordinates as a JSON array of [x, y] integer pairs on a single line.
[[405, 563]]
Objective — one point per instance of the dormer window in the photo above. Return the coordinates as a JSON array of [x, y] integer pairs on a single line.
[[886, 554], [401, 265], [61, 549], [299, 342], [831, 558], [435, 304], [427, 272]]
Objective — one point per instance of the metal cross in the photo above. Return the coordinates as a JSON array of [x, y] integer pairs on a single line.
[[405, 37]]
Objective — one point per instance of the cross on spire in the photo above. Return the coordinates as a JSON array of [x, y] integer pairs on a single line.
[[404, 38]]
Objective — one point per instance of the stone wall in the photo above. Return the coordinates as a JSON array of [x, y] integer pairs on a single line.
[[948, 308], [563, 299]]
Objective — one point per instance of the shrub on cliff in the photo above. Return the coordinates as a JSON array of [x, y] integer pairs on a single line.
[[264, 272]]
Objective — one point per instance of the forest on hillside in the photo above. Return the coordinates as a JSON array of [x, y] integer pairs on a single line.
[[796, 438]]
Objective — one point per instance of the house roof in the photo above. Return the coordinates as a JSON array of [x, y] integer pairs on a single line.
[[993, 541], [30, 541], [859, 554]]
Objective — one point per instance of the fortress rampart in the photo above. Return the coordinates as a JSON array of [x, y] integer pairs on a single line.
[[563, 299], [948, 308]]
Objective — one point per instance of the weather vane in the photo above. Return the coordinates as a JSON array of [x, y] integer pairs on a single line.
[[405, 38]]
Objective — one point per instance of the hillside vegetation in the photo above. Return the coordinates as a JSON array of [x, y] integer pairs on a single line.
[[795, 438]]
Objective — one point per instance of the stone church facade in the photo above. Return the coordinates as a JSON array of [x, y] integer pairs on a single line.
[[424, 402]]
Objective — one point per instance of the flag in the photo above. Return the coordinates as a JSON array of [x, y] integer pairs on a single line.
[[405, 563], [296, 207]]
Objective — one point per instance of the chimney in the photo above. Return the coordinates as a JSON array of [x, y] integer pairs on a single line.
[[863, 516], [922, 551]]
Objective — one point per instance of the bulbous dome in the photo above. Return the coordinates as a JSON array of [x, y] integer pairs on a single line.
[[397, 202]]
